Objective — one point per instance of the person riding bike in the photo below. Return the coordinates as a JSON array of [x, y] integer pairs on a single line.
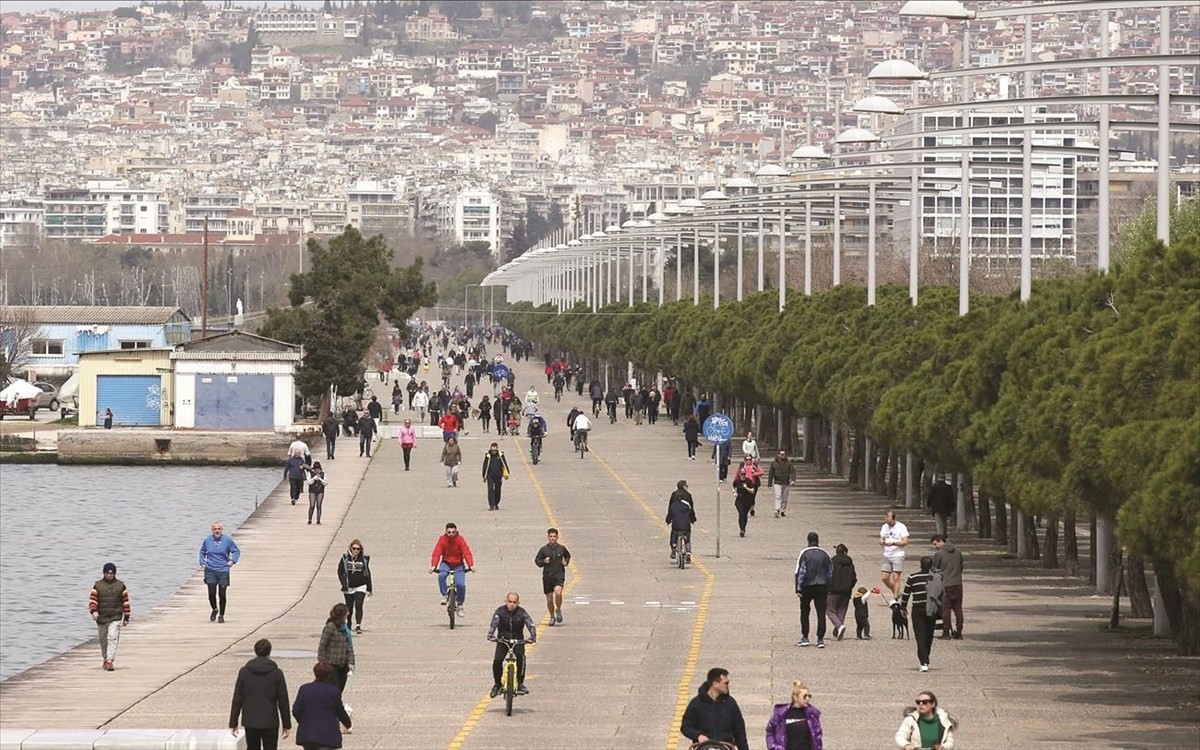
[[531, 395], [449, 555], [611, 399], [508, 622], [681, 514], [581, 426], [536, 431], [571, 420]]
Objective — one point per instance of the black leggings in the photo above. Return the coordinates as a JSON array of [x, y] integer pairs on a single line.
[[922, 630], [354, 603], [213, 590], [743, 510], [498, 662]]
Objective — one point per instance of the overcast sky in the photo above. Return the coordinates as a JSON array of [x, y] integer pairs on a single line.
[[27, 6]]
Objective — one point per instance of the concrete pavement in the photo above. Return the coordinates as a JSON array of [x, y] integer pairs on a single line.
[[639, 634]]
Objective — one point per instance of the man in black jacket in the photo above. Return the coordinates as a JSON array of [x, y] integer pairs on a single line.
[[713, 714], [260, 698], [941, 502], [814, 573], [681, 514]]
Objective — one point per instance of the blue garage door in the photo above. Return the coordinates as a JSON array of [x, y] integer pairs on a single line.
[[234, 402], [134, 399]]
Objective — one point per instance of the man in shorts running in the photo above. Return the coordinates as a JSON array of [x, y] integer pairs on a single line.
[[893, 537], [553, 559]]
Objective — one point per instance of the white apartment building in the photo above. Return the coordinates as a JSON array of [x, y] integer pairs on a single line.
[[211, 204], [477, 218], [373, 208], [20, 221], [132, 210], [995, 193]]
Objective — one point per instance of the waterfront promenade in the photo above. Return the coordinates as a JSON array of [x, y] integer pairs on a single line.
[[638, 635]]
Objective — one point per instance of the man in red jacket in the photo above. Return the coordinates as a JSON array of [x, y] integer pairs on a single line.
[[449, 425], [452, 553]]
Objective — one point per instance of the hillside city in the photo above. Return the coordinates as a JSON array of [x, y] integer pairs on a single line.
[[444, 124]]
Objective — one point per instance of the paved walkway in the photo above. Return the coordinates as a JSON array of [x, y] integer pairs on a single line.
[[639, 634]]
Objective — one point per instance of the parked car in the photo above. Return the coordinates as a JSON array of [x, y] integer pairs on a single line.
[[49, 397]]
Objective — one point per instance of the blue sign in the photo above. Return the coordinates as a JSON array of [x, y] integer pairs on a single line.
[[501, 372], [718, 428]]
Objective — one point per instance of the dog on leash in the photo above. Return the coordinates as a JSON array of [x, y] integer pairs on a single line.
[[899, 621]]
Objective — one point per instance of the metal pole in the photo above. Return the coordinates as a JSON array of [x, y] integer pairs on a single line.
[[203, 286], [660, 259], [871, 244], [761, 233], [807, 252], [915, 213], [1027, 175], [1102, 229], [717, 510], [696, 267], [716, 265], [645, 269], [964, 238], [739, 260], [679, 266], [631, 274], [782, 258], [1164, 129]]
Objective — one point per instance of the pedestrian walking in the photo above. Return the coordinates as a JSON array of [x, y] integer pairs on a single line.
[[319, 710], [354, 574], [109, 607], [941, 503], [923, 624], [337, 644], [779, 477], [318, 480], [893, 537], [948, 560], [218, 553], [841, 588], [260, 701], [713, 714], [796, 725], [485, 412], [329, 428], [366, 435], [553, 559], [451, 458], [408, 440], [397, 397], [926, 725], [750, 446], [745, 485], [691, 434], [722, 456], [814, 571], [420, 402], [294, 471], [495, 471], [108, 419]]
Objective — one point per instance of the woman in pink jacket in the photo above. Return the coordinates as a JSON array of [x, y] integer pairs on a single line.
[[408, 438]]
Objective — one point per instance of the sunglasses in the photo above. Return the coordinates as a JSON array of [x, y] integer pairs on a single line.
[[806, 696], [923, 701], [356, 549]]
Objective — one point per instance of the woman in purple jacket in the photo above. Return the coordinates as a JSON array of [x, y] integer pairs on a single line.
[[795, 725], [318, 709]]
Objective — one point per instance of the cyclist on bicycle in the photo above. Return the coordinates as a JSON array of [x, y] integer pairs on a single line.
[[611, 399], [713, 715], [581, 426], [536, 430], [571, 421], [531, 395], [681, 514], [508, 621], [449, 554]]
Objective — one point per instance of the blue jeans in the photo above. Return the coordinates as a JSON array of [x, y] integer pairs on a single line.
[[460, 580]]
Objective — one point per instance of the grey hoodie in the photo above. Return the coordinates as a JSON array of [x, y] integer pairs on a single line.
[[949, 561]]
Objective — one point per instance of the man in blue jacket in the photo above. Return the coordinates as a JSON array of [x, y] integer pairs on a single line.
[[814, 572], [218, 553]]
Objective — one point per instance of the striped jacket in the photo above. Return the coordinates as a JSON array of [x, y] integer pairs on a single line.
[[110, 599], [915, 587]]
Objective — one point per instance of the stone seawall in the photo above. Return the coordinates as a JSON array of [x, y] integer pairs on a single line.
[[152, 446]]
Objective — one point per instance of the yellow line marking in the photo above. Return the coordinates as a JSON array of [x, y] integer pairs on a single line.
[[689, 666], [481, 707]]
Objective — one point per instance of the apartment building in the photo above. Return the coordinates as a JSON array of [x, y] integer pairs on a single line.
[[212, 205], [72, 213], [299, 25], [477, 218], [20, 221], [374, 208]]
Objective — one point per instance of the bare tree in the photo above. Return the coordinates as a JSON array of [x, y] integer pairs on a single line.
[[18, 331]]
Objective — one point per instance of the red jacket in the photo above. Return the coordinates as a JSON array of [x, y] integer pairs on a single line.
[[452, 550], [448, 423]]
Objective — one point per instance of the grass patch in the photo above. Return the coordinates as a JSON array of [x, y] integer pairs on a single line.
[[67, 421], [1137, 629]]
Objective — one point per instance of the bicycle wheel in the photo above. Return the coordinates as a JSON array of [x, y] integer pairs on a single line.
[[510, 687], [681, 551], [452, 604], [534, 451]]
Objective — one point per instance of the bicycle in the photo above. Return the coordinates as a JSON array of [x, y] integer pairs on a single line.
[[535, 448], [681, 553], [558, 394], [452, 605], [581, 442], [508, 672]]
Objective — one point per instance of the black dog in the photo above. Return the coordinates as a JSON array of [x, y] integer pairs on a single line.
[[899, 621]]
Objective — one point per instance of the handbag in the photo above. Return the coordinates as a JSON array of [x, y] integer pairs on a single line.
[[504, 472]]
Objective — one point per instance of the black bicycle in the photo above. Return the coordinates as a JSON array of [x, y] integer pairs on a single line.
[[581, 442], [535, 448]]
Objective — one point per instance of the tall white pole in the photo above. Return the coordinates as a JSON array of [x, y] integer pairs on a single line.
[[807, 253], [631, 274], [782, 259], [1164, 129], [645, 269], [696, 266], [739, 260], [915, 213], [660, 270], [964, 239], [679, 266], [1027, 174], [1102, 219], [761, 239], [871, 243], [716, 265]]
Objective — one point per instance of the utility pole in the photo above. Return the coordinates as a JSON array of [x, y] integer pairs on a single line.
[[204, 286]]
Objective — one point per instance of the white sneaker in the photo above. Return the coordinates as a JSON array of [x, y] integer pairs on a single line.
[[924, 668]]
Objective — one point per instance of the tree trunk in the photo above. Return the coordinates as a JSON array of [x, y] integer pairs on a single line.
[[894, 482], [856, 456], [1013, 519], [985, 515], [1135, 583], [1092, 549], [820, 443], [1184, 617], [1032, 549], [1001, 521], [972, 520], [1071, 544], [1050, 557]]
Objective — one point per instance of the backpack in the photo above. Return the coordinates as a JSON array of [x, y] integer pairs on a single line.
[[934, 593]]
